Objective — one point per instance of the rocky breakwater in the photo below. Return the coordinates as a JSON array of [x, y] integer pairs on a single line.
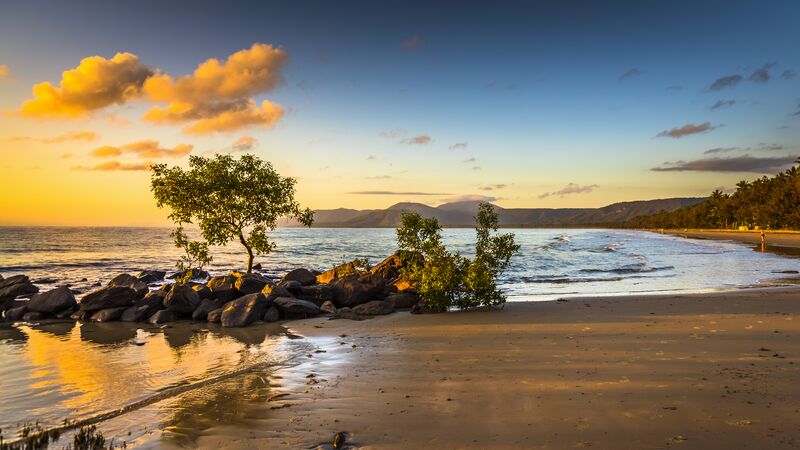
[[238, 299]]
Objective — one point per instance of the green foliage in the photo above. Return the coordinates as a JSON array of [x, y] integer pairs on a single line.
[[769, 203], [444, 279], [195, 252], [228, 199]]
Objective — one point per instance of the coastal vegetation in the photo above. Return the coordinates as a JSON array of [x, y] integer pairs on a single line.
[[771, 203], [228, 199], [444, 279]]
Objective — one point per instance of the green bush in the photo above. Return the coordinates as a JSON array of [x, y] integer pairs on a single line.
[[444, 279]]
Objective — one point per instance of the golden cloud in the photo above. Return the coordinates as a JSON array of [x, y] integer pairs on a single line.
[[216, 96], [116, 165], [143, 149], [69, 136], [4, 71], [96, 83], [245, 143]]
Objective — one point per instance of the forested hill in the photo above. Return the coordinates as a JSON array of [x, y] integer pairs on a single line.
[[461, 214], [769, 203]]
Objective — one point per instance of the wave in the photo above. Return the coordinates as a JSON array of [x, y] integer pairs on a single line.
[[567, 280], [628, 269]]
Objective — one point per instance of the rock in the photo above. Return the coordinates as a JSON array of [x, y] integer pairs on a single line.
[[402, 300], [15, 314], [273, 292], [136, 314], [108, 297], [328, 307], [205, 307], [244, 310], [390, 267], [272, 314], [355, 290], [33, 316], [154, 299], [166, 287], [151, 276], [250, 283], [16, 286], [421, 308], [125, 280], [162, 316], [318, 294], [302, 276], [202, 290], [58, 299], [192, 274], [295, 308], [374, 308], [182, 299], [340, 271], [347, 313], [223, 288], [292, 286], [215, 316], [108, 315], [257, 266]]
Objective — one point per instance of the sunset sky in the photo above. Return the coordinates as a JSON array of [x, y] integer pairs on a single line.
[[557, 104]]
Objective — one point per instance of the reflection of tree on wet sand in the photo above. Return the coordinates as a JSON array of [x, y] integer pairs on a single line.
[[233, 402]]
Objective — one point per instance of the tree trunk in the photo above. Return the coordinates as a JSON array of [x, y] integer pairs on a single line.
[[249, 253]]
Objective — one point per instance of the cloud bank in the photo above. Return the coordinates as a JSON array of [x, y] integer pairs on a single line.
[[687, 130], [570, 188], [744, 163], [143, 149]]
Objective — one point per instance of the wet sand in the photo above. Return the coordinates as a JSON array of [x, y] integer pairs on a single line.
[[714, 370], [785, 239]]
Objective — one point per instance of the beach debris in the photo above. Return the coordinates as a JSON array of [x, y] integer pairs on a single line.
[[339, 440], [328, 307]]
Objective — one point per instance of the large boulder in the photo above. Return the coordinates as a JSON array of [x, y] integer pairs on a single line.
[[16, 286], [108, 314], [250, 283], [108, 297], [223, 288], [303, 276], [374, 308], [244, 310], [318, 294], [33, 316], [295, 308], [206, 306], [340, 271], [123, 279], [151, 276], [355, 290], [273, 292], [202, 290], [181, 299], [402, 300], [136, 314], [53, 301], [162, 316], [189, 274]]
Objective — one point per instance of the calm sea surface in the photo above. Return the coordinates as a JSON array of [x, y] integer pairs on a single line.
[[188, 378]]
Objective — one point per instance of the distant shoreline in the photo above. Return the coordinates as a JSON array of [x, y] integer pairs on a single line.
[[774, 238]]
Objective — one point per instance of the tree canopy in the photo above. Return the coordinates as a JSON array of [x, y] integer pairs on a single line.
[[769, 203], [228, 199]]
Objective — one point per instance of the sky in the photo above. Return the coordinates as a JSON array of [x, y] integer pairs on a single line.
[[367, 104]]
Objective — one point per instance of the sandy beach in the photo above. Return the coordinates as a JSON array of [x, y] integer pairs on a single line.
[[716, 370], [781, 239]]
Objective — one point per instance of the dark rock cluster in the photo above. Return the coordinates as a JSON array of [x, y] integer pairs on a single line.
[[233, 300]]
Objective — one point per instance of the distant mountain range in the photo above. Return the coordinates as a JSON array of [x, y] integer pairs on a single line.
[[461, 214]]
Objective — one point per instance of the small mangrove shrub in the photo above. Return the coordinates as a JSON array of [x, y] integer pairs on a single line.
[[444, 279]]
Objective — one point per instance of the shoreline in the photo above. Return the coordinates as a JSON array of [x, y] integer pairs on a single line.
[[702, 370], [783, 239]]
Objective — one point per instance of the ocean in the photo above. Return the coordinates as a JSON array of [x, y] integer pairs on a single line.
[[552, 263]]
